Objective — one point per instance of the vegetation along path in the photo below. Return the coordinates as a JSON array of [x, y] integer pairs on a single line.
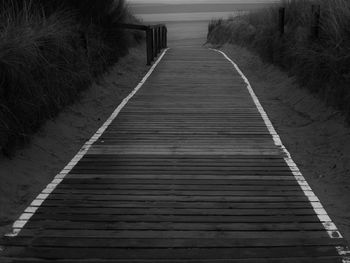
[[189, 170]]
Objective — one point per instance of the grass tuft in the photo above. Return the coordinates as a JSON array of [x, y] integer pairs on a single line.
[[50, 50], [322, 64]]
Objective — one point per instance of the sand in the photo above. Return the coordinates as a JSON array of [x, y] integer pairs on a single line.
[[33, 167], [317, 136]]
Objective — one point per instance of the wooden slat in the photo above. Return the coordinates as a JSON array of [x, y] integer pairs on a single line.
[[206, 241], [246, 260], [169, 254], [86, 227]]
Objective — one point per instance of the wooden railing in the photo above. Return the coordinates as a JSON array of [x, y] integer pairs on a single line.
[[156, 38]]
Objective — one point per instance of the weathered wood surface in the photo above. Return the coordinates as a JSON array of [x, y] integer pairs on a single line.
[[187, 172]]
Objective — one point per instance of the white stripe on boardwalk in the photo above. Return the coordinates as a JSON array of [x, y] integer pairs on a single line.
[[327, 223], [33, 207]]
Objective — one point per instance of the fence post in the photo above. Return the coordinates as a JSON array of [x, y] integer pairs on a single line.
[[149, 45], [166, 37], [154, 42], [158, 32], [162, 36], [156, 39], [282, 12], [316, 13]]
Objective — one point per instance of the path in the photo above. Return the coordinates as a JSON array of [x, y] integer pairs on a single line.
[[187, 172]]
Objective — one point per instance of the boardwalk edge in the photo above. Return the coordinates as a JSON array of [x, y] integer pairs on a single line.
[[37, 202], [326, 221]]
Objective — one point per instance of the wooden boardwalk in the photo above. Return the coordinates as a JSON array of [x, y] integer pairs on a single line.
[[187, 172]]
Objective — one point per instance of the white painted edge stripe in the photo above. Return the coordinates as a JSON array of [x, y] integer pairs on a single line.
[[321, 213], [33, 207]]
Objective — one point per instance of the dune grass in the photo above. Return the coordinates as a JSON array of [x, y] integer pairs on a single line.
[[50, 50], [322, 64]]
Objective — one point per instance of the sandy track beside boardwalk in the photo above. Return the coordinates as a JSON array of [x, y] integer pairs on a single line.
[[33, 167], [317, 136]]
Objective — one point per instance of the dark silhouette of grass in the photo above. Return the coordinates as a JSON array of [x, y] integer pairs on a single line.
[[50, 50], [321, 64]]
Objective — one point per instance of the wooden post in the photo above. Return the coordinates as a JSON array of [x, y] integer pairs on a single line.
[[315, 28], [162, 36], [159, 40], [149, 47], [156, 39], [158, 32], [154, 42], [282, 12], [166, 37]]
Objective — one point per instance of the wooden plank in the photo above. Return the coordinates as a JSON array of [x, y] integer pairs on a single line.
[[180, 198], [246, 260], [86, 227], [175, 211], [179, 218], [215, 241], [103, 187], [167, 254], [143, 192], [95, 180], [174, 204], [187, 176]]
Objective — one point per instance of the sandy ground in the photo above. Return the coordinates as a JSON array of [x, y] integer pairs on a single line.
[[23, 177], [317, 136]]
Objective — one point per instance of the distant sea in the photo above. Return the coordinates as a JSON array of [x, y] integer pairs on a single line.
[[190, 12], [188, 23], [185, 17]]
